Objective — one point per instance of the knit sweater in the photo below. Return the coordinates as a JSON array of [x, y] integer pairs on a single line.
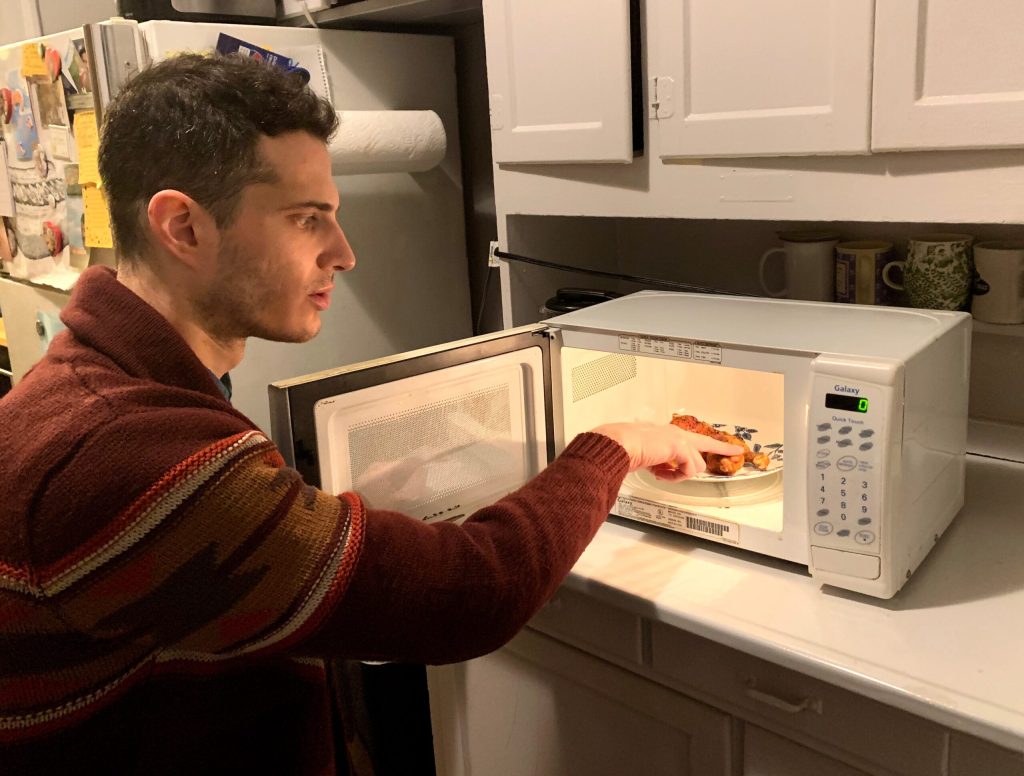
[[169, 589]]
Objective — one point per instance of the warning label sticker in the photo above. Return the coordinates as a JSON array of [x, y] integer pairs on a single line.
[[709, 352]]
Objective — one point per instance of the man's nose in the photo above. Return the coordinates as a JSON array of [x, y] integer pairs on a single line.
[[339, 257]]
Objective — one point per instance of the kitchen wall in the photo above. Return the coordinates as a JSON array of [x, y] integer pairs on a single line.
[[20, 19]]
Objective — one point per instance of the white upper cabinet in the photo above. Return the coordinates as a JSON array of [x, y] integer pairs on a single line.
[[755, 78], [559, 77], [948, 74]]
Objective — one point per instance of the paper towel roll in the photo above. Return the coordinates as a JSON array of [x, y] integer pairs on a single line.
[[371, 141]]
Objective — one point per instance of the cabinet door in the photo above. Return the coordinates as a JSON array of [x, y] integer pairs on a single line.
[[539, 707], [558, 73], [948, 74], [766, 754], [750, 78]]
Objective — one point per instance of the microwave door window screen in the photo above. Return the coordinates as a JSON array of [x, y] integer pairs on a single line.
[[435, 447], [738, 405]]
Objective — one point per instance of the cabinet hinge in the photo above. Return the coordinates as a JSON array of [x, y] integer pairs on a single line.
[[497, 111], [660, 92]]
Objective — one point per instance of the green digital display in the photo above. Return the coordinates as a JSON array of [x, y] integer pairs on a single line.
[[840, 401]]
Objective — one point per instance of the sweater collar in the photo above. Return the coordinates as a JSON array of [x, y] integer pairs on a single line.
[[110, 318]]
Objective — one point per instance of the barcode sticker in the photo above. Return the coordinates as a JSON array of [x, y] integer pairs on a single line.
[[677, 519]]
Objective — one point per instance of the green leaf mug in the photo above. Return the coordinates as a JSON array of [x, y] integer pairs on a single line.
[[938, 271]]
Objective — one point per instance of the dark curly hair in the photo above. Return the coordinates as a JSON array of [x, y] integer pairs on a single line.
[[192, 123]]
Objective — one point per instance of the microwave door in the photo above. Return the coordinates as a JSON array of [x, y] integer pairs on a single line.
[[434, 433]]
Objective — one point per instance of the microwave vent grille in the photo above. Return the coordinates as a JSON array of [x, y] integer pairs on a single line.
[[436, 449], [603, 373]]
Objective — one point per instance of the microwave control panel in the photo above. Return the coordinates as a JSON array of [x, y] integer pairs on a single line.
[[846, 436]]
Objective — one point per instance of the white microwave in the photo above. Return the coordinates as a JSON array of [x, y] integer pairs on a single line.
[[860, 414]]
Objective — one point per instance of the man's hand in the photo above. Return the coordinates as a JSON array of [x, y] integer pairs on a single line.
[[668, 451]]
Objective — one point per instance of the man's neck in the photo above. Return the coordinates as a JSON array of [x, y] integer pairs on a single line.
[[218, 355]]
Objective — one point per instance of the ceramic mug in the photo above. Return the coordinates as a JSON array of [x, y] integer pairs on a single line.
[[861, 275], [999, 286], [938, 272], [807, 264]]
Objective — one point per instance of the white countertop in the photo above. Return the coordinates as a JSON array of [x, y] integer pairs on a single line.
[[948, 647]]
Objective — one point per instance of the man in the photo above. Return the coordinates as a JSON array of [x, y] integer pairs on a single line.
[[168, 589]]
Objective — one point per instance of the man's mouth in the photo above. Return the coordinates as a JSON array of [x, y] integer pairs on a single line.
[[322, 298]]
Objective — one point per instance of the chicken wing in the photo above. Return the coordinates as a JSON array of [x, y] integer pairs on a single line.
[[726, 465]]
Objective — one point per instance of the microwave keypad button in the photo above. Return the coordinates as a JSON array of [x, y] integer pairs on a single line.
[[864, 521], [844, 443], [863, 537], [846, 463], [824, 426], [844, 532], [846, 429], [866, 446], [822, 512], [867, 433], [823, 464], [824, 528], [823, 440]]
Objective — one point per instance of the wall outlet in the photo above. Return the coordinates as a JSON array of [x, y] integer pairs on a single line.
[[492, 260], [295, 7]]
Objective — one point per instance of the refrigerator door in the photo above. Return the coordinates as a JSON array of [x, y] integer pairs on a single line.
[[434, 433]]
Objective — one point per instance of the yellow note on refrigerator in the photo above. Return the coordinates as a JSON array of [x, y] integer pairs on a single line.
[[32, 63], [96, 229], [87, 139]]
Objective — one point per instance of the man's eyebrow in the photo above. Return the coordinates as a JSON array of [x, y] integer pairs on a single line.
[[316, 204]]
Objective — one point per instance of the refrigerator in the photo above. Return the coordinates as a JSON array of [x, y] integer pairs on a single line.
[[410, 287]]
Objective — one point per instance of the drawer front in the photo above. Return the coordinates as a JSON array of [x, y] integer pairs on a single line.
[[592, 625], [758, 690]]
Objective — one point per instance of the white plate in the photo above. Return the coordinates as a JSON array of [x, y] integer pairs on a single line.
[[715, 491]]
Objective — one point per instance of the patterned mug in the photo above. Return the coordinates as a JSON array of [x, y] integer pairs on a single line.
[[938, 272]]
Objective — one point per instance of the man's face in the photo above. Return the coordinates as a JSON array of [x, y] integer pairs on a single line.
[[273, 272]]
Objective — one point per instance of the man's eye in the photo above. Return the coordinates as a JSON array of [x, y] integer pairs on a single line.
[[305, 222]]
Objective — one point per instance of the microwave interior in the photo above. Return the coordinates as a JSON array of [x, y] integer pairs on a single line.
[[600, 387]]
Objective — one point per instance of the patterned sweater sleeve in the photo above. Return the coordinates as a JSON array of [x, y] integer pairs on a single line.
[[230, 554]]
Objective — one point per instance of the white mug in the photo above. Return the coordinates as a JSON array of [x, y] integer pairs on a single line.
[[999, 284], [808, 265]]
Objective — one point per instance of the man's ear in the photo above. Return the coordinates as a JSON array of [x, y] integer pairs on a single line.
[[181, 226]]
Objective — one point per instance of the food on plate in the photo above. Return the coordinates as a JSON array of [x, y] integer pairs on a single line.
[[726, 465]]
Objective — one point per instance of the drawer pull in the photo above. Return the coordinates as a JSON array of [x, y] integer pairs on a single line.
[[790, 707]]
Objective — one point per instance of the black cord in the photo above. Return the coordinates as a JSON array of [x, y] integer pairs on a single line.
[[618, 276], [483, 302]]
